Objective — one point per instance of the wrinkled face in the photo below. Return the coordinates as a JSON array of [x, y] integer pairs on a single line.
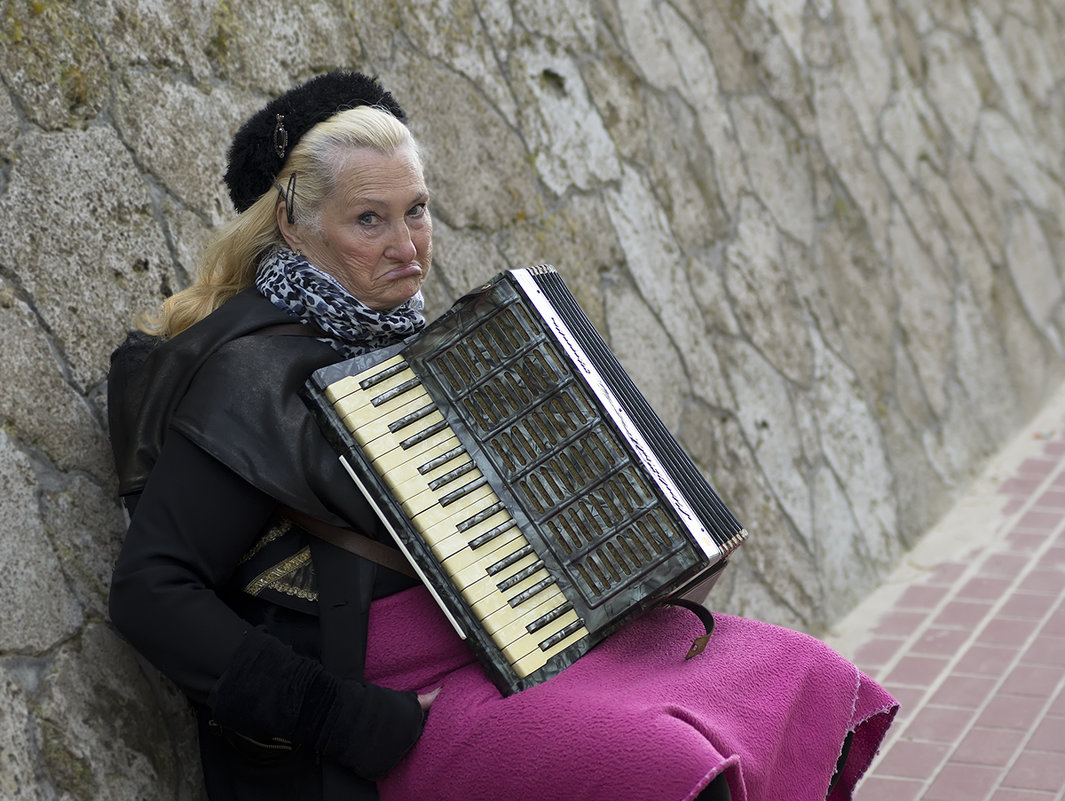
[[375, 232]]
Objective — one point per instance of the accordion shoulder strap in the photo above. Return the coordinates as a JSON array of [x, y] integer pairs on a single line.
[[346, 538], [705, 617], [352, 541]]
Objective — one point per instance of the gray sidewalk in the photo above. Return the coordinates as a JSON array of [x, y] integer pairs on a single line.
[[969, 634]]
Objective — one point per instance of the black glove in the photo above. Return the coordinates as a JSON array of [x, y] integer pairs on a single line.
[[270, 693]]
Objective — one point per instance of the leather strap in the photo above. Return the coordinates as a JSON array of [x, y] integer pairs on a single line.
[[705, 617], [352, 541], [346, 538]]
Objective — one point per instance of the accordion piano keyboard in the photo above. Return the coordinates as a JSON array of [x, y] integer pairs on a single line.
[[460, 517]]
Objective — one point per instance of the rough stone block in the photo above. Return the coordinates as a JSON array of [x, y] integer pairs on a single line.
[[40, 610], [51, 60], [82, 238], [105, 733], [18, 764], [39, 406]]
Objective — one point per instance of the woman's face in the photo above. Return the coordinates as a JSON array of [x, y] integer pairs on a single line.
[[375, 232]]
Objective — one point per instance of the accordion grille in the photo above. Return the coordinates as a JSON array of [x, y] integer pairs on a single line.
[[570, 472]]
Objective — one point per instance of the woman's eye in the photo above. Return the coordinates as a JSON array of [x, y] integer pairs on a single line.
[[418, 210], [368, 218]]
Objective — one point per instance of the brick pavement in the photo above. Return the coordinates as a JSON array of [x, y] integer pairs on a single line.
[[969, 634]]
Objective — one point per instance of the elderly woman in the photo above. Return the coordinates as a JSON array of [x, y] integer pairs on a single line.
[[312, 669]]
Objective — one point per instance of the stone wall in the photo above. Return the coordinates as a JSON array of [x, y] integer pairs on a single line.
[[826, 238]]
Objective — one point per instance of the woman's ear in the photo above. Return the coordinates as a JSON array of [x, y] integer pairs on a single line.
[[290, 231]]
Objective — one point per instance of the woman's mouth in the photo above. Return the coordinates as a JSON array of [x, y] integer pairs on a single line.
[[400, 272]]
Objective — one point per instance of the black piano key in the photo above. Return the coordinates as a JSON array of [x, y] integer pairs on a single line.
[[432, 464], [448, 477], [543, 620], [463, 491], [396, 391], [507, 561], [490, 535], [562, 634], [424, 434], [524, 596], [377, 378], [520, 576], [413, 417], [481, 516]]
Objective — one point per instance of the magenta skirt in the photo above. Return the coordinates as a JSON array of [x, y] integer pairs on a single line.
[[632, 720]]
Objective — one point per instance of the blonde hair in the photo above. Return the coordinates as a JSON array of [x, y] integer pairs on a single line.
[[228, 263]]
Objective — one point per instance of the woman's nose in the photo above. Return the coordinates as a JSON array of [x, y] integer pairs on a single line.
[[402, 246]]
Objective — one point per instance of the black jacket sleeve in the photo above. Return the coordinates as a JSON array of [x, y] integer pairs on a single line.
[[190, 527]]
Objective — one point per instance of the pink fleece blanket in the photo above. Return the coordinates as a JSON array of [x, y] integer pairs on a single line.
[[632, 720]]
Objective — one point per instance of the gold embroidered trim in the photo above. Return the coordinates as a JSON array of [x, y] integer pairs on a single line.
[[293, 590], [275, 532], [274, 577]]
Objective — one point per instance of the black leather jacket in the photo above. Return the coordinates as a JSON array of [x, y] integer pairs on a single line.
[[210, 435]]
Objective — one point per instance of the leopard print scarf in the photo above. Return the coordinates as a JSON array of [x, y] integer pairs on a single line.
[[293, 284]]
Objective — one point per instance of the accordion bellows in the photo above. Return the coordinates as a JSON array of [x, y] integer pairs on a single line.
[[528, 481]]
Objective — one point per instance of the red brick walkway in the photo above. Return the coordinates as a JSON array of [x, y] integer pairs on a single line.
[[970, 637]]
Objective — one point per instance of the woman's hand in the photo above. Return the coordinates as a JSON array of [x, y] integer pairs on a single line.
[[425, 701]]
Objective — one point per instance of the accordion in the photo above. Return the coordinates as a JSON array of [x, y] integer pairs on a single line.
[[524, 476]]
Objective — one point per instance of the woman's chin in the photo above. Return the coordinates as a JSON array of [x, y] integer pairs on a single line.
[[400, 293]]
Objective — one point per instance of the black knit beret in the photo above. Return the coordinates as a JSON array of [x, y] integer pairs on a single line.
[[260, 146]]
